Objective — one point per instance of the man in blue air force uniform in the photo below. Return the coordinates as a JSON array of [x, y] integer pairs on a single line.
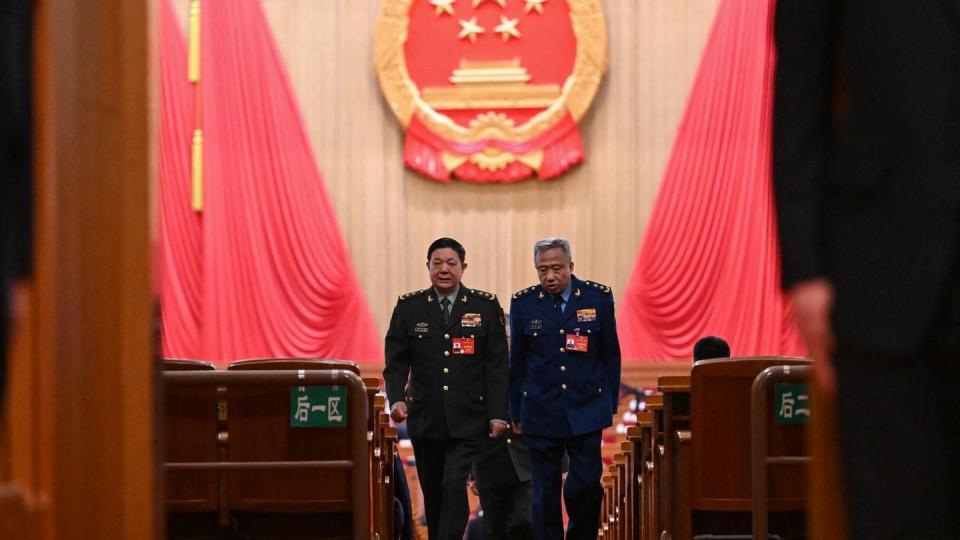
[[564, 382]]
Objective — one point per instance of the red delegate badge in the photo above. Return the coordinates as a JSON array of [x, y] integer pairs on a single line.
[[463, 345], [577, 343]]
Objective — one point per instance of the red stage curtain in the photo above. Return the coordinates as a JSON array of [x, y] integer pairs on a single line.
[[180, 246], [268, 274], [709, 263]]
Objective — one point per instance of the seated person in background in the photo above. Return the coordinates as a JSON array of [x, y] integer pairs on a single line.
[[403, 510], [710, 347]]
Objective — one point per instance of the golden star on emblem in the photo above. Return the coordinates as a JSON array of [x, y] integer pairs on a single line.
[[470, 29], [443, 6], [503, 3], [534, 5], [507, 28]]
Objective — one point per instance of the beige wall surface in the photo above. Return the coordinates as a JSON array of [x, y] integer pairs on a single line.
[[389, 215]]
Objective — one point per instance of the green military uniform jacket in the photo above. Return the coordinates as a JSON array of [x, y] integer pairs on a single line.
[[452, 376]]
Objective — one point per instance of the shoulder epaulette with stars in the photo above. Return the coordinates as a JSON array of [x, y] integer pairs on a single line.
[[601, 287], [482, 294], [413, 294], [523, 292]]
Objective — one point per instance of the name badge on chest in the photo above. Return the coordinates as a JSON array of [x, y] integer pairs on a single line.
[[577, 343], [464, 345]]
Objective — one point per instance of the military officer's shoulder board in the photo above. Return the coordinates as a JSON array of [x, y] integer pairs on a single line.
[[599, 286], [524, 292], [482, 294], [413, 294]]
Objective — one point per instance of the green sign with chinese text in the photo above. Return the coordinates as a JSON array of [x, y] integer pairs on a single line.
[[793, 403], [318, 406]]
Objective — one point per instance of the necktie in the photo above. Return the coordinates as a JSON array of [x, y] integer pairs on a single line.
[[445, 302], [558, 301]]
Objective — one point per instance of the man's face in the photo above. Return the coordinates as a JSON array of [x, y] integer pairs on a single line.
[[554, 270], [445, 269]]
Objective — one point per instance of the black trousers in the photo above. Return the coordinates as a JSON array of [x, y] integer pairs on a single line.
[[507, 509], [443, 465], [899, 420]]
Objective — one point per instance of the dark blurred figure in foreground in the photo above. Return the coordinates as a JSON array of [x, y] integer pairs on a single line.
[[866, 165], [16, 239]]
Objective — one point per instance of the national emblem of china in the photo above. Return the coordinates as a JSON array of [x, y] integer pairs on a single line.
[[490, 91]]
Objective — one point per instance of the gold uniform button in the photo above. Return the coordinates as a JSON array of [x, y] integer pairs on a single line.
[[534, 334], [562, 349], [446, 370], [599, 390], [445, 388], [563, 386], [561, 330], [446, 353], [509, 441], [446, 336], [563, 368], [524, 394]]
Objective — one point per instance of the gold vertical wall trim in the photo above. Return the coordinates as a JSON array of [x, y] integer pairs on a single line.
[[193, 56], [197, 170]]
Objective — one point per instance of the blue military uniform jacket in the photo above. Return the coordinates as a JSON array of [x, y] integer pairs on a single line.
[[555, 391]]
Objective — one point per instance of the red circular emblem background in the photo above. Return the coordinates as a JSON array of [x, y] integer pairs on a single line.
[[490, 90]]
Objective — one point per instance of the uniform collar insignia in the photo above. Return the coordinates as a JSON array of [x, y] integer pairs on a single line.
[[541, 295], [429, 298], [464, 299], [577, 294]]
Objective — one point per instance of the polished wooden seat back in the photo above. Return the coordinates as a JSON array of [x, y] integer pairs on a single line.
[[259, 427], [191, 435], [720, 438]]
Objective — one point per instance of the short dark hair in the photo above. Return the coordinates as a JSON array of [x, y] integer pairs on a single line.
[[445, 242], [710, 347]]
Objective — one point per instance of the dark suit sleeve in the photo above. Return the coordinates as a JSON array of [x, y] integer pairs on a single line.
[[397, 368], [517, 357], [496, 366], [611, 354], [802, 120]]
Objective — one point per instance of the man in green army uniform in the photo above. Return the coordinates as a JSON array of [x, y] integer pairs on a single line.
[[446, 371]]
